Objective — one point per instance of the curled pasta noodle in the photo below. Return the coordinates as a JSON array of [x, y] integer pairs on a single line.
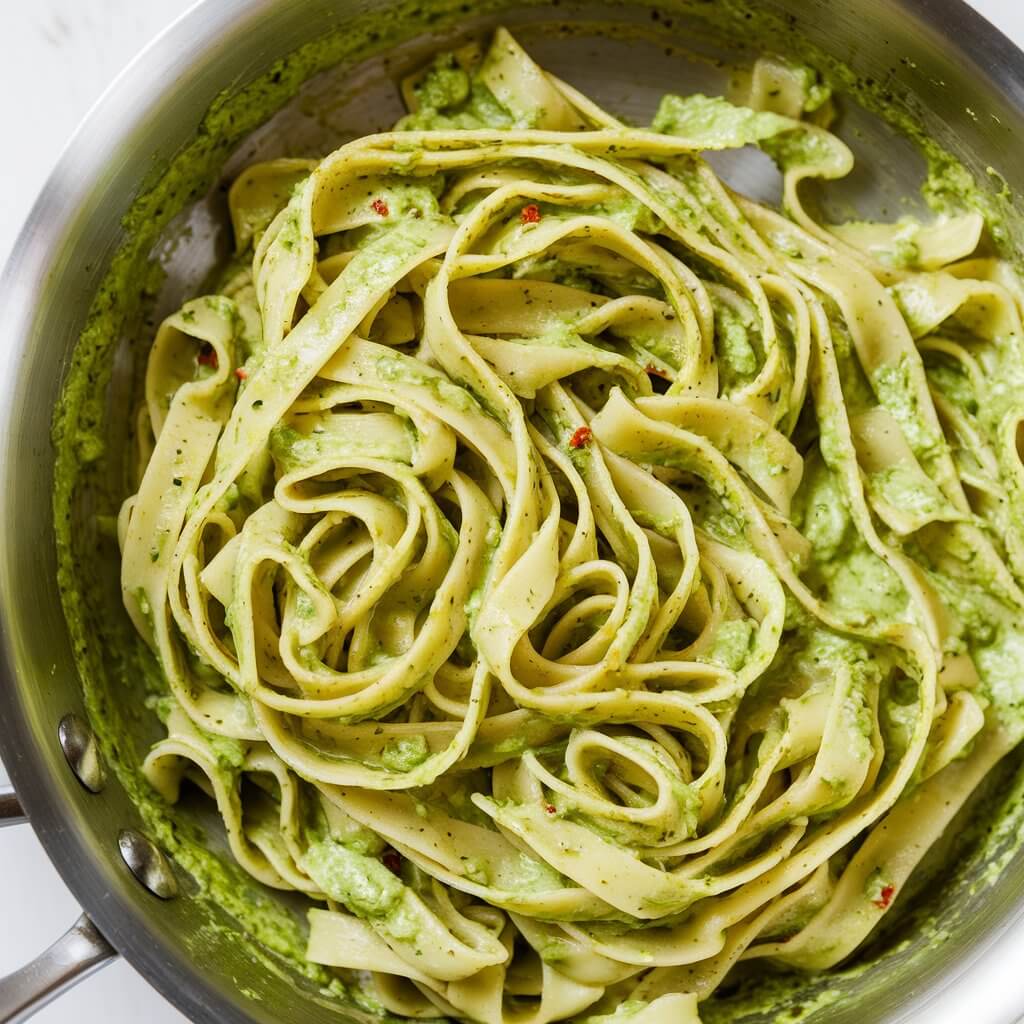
[[572, 576]]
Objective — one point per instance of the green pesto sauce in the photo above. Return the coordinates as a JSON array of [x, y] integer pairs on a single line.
[[404, 753], [360, 882], [367, 889], [118, 673], [738, 360], [732, 644], [713, 123]]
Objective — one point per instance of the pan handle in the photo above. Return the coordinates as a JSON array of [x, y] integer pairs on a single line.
[[10, 809], [74, 956]]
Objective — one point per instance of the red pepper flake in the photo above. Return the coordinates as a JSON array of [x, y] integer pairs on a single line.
[[392, 860], [581, 437], [241, 373], [207, 356], [380, 207], [550, 808], [530, 214], [655, 371], [885, 897]]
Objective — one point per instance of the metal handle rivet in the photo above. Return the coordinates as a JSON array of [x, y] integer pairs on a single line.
[[147, 864], [80, 748]]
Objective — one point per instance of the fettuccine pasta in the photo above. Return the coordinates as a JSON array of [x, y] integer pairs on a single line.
[[575, 577]]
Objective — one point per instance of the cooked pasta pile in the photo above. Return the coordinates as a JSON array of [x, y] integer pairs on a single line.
[[573, 576]]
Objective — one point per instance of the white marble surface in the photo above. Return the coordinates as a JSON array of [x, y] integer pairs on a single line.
[[56, 57]]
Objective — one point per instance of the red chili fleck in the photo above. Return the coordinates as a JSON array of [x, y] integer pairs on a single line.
[[655, 371], [581, 437], [380, 207], [550, 808], [241, 373], [885, 897], [392, 860], [207, 356], [530, 214]]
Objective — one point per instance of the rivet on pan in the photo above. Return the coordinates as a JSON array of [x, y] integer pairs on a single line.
[[147, 864], [79, 746]]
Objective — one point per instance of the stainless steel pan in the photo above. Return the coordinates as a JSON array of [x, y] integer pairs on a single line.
[[964, 78]]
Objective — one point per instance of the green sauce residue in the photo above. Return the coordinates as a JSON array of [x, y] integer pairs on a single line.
[[118, 673]]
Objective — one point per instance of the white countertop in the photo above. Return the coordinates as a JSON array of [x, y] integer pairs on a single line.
[[56, 57]]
